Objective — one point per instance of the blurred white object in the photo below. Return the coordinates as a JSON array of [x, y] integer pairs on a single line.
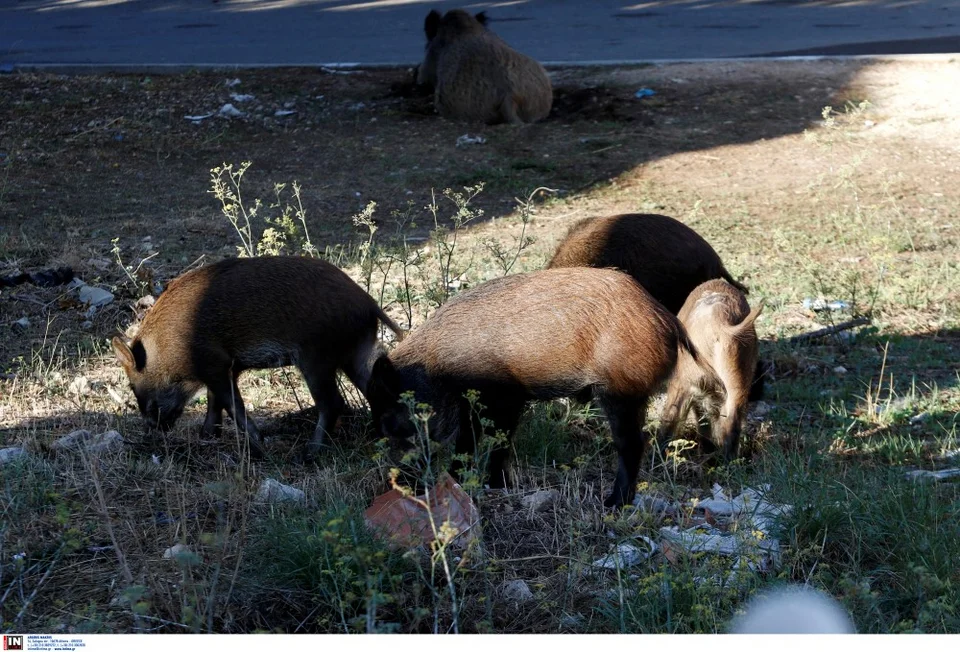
[[793, 610]]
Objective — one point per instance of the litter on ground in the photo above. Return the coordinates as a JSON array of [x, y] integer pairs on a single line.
[[409, 521]]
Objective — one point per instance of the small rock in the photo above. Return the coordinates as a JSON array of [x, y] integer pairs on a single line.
[[230, 83], [175, 551], [92, 443], [281, 113], [10, 454], [760, 409], [80, 386], [105, 441], [467, 139], [275, 492], [840, 371], [571, 621], [540, 499], [23, 322], [241, 97], [87, 325], [95, 297], [517, 591], [72, 441], [919, 418]]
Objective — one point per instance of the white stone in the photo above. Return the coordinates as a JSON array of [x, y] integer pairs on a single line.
[[517, 591], [94, 296], [540, 499], [275, 492], [10, 454]]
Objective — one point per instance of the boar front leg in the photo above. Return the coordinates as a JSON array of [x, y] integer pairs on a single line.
[[321, 378], [626, 416], [228, 395]]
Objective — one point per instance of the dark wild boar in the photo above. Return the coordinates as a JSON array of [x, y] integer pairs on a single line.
[[667, 257], [535, 336], [721, 325], [478, 77], [213, 323]]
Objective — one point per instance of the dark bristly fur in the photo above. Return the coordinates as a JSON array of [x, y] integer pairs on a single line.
[[213, 323], [478, 77], [720, 323], [535, 336], [668, 258]]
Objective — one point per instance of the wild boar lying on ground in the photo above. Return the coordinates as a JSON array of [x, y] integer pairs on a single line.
[[213, 323], [667, 257], [478, 77], [535, 336], [721, 325]]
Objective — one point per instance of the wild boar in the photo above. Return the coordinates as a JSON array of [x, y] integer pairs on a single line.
[[476, 76], [667, 257], [535, 336], [215, 322], [720, 323]]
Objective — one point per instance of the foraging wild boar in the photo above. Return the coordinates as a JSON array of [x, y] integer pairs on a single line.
[[535, 336], [214, 322], [721, 325], [476, 76], [667, 257]]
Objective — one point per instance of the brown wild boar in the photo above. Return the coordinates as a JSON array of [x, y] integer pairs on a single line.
[[667, 257], [535, 336], [478, 77], [214, 322], [721, 325]]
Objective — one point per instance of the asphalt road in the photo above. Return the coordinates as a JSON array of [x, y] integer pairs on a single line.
[[308, 32]]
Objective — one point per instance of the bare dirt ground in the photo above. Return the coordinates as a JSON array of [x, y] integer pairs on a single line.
[[860, 203]]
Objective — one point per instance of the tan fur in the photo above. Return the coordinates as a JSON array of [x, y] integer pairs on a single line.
[[668, 258], [212, 323], [477, 76], [537, 336], [720, 323]]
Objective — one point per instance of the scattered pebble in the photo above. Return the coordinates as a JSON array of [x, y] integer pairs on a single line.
[[241, 97], [79, 386], [175, 551], [517, 591], [10, 454], [540, 499], [95, 297], [274, 492], [840, 371], [106, 441], [23, 322], [281, 113]]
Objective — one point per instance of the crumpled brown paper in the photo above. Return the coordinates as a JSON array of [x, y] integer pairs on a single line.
[[404, 521]]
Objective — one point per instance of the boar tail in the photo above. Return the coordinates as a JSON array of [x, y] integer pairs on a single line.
[[729, 279], [392, 325]]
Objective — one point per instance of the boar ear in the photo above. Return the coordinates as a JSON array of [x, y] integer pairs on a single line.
[[752, 317], [482, 18], [124, 354], [432, 24]]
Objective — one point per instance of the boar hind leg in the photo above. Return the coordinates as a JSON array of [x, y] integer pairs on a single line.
[[228, 395], [626, 416], [508, 111], [322, 381]]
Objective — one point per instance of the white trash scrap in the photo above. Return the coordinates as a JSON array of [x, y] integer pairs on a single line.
[[741, 528]]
